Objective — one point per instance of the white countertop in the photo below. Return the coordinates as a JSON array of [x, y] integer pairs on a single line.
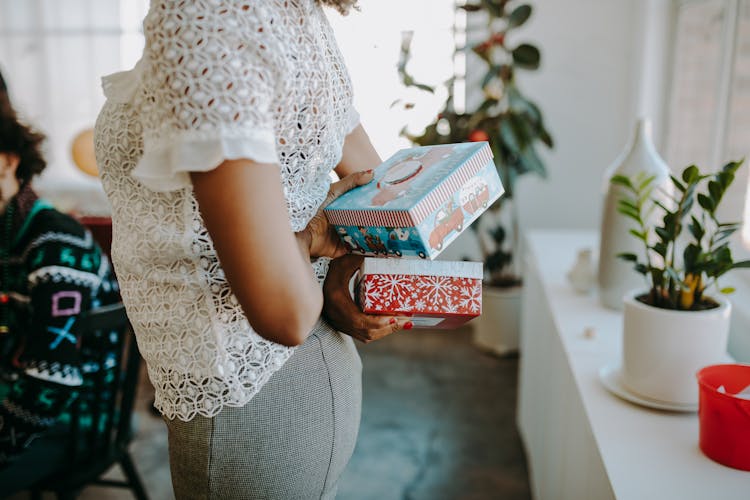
[[646, 453]]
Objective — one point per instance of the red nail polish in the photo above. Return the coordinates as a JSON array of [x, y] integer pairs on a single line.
[[392, 320], [408, 325], [368, 171]]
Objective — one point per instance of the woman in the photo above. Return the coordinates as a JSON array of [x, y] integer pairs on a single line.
[[215, 153], [51, 270]]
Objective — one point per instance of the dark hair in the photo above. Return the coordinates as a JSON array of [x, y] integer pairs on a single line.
[[22, 141]]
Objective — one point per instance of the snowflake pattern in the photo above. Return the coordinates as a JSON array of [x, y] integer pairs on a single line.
[[471, 297], [391, 293], [395, 286], [437, 289], [370, 295]]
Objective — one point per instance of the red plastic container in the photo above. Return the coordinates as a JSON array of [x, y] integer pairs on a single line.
[[725, 418]]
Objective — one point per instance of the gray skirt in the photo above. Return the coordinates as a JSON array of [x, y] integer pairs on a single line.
[[291, 441]]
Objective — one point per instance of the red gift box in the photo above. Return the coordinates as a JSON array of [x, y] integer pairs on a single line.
[[435, 294]]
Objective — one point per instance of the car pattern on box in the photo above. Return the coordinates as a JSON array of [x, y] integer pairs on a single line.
[[449, 218], [419, 202], [474, 195], [401, 239]]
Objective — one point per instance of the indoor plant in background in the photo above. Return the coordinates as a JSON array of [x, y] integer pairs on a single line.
[[514, 127], [680, 322]]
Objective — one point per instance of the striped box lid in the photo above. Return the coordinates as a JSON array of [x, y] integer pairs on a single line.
[[410, 185]]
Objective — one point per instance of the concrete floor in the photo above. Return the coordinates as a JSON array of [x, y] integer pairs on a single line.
[[438, 423]]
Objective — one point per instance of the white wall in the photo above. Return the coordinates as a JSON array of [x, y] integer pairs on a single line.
[[587, 89], [603, 65], [605, 62]]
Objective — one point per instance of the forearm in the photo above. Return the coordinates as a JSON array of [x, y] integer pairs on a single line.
[[358, 153]]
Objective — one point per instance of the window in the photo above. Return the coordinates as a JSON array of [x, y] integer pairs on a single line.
[[709, 108], [53, 54], [370, 42]]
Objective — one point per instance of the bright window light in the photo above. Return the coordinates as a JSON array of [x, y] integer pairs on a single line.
[[370, 41]]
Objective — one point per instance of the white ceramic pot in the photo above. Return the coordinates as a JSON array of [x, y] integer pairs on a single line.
[[663, 349], [496, 330]]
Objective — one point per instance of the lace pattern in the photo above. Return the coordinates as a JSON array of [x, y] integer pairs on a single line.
[[218, 79]]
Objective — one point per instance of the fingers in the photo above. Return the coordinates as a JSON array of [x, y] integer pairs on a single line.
[[349, 182], [378, 327], [343, 313]]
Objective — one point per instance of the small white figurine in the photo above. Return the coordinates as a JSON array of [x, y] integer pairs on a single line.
[[582, 276]]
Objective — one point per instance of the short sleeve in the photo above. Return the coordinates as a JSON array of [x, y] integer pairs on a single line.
[[208, 84], [352, 120]]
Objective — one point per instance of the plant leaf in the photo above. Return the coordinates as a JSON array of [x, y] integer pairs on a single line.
[[664, 234], [646, 182], [508, 136], [531, 161], [696, 229], [691, 174], [519, 16], [641, 236], [706, 203], [526, 56], [715, 191], [677, 183], [546, 138], [471, 7], [690, 257], [727, 290], [424, 87], [641, 268], [732, 166], [622, 180]]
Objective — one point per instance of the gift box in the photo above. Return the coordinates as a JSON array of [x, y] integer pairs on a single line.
[[435, 294], [418, 202]]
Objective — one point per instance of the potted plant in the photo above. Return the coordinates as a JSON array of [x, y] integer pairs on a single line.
[[679, 322], [513, 126]]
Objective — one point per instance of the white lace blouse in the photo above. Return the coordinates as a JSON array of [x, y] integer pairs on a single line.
[[219, 79]]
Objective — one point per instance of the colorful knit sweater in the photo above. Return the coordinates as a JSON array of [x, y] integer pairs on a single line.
[[52, 270]]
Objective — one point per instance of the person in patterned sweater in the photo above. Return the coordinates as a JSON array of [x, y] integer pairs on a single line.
[[51, 271]]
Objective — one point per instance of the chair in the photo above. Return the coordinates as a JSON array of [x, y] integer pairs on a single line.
[[107, 403]]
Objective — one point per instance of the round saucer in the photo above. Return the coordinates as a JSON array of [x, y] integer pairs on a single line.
[[611, 378]]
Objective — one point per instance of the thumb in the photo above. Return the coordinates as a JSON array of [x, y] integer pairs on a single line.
[[349, 182]]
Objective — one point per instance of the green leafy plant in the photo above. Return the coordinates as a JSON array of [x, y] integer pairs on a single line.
[[680, 266], [511, 123]]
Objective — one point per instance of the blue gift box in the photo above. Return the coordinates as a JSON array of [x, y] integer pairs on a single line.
[[418, 202]]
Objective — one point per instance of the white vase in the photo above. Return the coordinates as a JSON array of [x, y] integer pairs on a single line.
[[663, 349], [616, 277]]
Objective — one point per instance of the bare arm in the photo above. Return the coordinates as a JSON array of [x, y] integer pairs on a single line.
[[266, 263], [339, 308], [358, 153]]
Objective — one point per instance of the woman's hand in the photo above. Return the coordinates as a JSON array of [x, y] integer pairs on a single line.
[[324, 242], [344, 315]]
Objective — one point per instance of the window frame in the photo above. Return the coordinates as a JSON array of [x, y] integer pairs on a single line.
[[720, 140]]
